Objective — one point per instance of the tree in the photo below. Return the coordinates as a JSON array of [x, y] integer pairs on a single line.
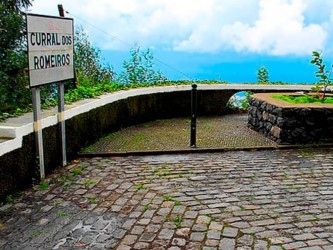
[[323, 74], [12, 27], [88, 63], [140, 68], [262, 75], [13, 61]]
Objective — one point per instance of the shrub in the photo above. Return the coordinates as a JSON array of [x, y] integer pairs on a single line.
[[140, 68]]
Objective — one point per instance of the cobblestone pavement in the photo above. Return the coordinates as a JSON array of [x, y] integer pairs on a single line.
[[235, 200], [228, 131]]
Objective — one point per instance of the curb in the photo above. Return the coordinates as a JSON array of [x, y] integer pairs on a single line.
[[199, 150]]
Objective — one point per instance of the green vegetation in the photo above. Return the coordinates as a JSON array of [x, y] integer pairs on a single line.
[[76, 171], [15, 97], [93, 200], [239, 101], [177, 220], [322, 74], [89, 182], [320, 89], [43, 186], [263, 75], [62, 213], [167, 197], [9, 199], [302, 99], [90, 68], [139, 186], [94, 77], [35, 234], [140, 68], [177, 203]]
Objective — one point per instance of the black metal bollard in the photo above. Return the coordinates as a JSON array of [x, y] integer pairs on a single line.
[[193, 143]]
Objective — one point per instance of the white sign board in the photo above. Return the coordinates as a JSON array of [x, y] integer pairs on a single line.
[[50, 49]]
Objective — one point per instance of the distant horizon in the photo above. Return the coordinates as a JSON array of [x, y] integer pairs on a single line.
[[297, 70]]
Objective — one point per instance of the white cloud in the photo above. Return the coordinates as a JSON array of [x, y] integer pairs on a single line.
[[278, 30], [273, 27]]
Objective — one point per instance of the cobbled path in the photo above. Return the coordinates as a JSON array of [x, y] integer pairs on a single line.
[[279, 199], [228, 131]]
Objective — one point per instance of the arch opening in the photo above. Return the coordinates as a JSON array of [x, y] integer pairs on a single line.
[[239, 102]]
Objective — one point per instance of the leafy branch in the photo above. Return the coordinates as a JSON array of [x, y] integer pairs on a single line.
[[322, 74]]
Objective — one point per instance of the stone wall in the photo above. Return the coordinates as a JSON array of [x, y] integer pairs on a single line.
[[290, 124], [19, 167], [88, 120]]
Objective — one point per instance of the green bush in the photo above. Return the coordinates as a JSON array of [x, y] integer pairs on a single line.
[[140, 68]]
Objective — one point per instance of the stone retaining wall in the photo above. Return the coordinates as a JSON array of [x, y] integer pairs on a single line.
[[88, 120], [19, 167], [290, 124]]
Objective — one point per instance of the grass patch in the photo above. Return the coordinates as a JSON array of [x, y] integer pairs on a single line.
[[35, 234], [167, 197], [139, 186], [43, 186], [89, 182], [93, 200], [306, 153], [177, 203], [62, 213], [9, 199], [76, 171], [177, 220], [145, 207], [303, 99], [164, 166]]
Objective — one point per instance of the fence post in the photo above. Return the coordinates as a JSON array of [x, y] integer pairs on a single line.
[[193, 115]]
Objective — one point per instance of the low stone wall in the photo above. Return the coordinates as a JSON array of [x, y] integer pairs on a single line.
[[290, 124], [88, 120]]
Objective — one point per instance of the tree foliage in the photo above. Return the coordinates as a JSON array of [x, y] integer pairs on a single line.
[[88, 63], [263, 75], [325, 78], [140, 68], [93, 76], [13, 77]]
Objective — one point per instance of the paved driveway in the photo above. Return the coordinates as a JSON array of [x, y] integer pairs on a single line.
[[280, 199]]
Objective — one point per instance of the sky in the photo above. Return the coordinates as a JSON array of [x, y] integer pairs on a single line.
[[209, 39]]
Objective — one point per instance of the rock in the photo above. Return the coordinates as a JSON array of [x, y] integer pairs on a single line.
[[275, 131]]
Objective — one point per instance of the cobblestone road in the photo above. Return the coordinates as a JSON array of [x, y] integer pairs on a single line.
[[235, 200]]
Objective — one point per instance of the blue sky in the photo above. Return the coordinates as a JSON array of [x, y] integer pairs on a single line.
[[209, 39]]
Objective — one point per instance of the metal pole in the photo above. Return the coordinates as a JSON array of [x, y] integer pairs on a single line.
[[61, 121], [61, 107], [193, 116], [38, 130], [61, 10]]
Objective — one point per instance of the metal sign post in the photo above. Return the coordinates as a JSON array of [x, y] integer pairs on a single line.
[[193, 143], [61, 107], [61, 121], [38, 130]]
